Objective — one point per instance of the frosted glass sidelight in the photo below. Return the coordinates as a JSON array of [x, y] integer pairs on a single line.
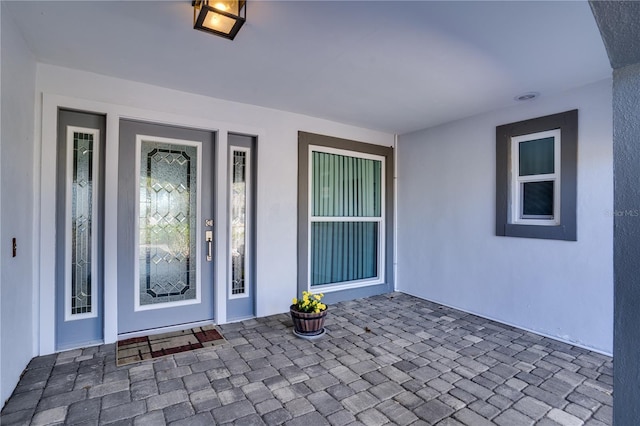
[[167, 222], [238, 222], [82, 222]]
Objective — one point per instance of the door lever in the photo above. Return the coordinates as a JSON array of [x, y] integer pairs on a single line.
[[208, 237]]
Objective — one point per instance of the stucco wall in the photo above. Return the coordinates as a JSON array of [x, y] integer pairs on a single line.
[[447, 248], [17, 186]]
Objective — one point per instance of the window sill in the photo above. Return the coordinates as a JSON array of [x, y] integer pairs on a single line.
[[557, 232], [329, 288]]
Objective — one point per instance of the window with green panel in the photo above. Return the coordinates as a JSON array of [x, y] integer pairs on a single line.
[[346, 217]]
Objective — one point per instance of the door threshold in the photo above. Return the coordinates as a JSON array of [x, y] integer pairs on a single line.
[[168, 329], [83, 345], [240, 319]]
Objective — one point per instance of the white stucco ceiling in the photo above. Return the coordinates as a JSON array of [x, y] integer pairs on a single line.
[[386, 65]]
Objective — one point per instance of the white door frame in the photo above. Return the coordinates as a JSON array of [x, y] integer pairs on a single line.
[[44, 240]]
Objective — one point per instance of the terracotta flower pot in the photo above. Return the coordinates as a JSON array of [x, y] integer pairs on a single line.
[[307, 324]]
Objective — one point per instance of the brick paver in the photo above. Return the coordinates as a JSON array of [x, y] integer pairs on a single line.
[[391, 359]]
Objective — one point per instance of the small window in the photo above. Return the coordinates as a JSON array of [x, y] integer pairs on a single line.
[[536, 170], [535, 198]]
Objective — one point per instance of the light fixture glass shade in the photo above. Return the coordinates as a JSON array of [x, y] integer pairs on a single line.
[[219, 17]]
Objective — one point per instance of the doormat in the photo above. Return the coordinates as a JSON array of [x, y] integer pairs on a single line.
[[155, 346]]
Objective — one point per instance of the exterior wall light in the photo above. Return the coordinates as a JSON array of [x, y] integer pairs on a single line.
[[220, 17]]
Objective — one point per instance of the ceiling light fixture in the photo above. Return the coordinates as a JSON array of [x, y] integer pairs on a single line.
[[526, 96], [220, 17]]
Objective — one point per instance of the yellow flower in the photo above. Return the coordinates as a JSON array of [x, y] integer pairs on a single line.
[[310, 302]]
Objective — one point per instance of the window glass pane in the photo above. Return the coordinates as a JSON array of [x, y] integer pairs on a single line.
[[238, 222], [536, 157], [345, 186], [343, 251], [537, 199], [82, 223], [168, 194]]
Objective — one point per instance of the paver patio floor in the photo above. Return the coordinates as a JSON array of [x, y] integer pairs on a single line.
[[391, 359]]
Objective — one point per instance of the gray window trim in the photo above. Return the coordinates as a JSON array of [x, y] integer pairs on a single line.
[[567, 122], [304, 141]]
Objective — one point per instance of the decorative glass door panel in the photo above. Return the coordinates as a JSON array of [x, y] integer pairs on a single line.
[[239, 194], [241, 284], [165, 194], [82, 162], [169, 180], [79, 229]]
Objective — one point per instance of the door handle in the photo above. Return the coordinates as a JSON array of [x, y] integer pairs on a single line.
[[208, 237]]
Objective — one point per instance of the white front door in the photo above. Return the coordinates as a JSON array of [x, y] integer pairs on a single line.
[[165, 226]]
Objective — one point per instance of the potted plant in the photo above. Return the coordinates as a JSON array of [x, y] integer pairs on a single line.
[[308, 314]]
